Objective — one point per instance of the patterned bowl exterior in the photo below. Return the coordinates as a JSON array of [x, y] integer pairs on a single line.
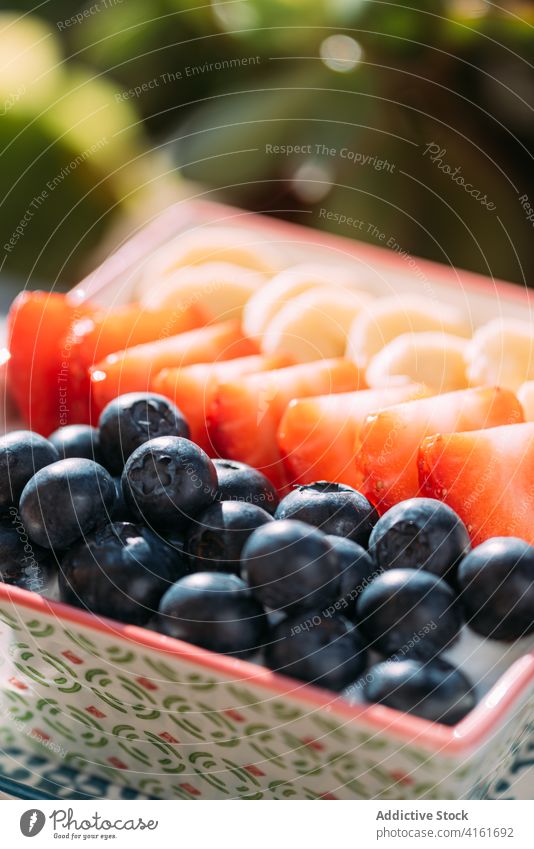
[[134, 710]]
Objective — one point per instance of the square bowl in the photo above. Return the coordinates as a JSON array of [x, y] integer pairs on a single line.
[[169, 720]]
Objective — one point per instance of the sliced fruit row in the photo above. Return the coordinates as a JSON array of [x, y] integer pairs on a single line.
[[470, 449], [389, 441], [233, 396], [255, 370], [486, 477], [310, 310], [269, 385], [325, 311], [313, 311], [53, 342], [135, 368], [317, 436], [245, 415]]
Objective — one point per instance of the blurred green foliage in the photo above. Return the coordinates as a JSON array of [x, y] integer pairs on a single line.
[[72, 155], [217, 85]]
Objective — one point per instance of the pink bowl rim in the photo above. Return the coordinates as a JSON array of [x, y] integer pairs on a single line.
[[458, 740], [208, 213]]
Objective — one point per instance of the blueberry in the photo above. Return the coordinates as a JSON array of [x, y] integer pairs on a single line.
[[420, 533], [326, 652], [239, 482], [66, 500], [356, 569], [435, 690], [408, 610], [121, 570], [23, 563], [77, 441], [333, 507], [213, 610], [496, 583], [289, 564], [130, 420], [168, 481], [216, 538], [22, 454]]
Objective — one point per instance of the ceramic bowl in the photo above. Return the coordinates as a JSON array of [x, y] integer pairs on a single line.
[[169, 720]]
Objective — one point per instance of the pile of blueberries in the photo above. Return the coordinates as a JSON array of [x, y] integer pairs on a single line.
[[137, 523]]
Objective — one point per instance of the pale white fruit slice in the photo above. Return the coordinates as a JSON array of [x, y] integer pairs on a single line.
[[501, 353], [435, 359], [236, 245], [314, 324], [525, 393], [389, 317], [266, 302], [219, 289]]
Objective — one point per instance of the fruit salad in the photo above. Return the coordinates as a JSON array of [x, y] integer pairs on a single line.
[[281, 463]]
